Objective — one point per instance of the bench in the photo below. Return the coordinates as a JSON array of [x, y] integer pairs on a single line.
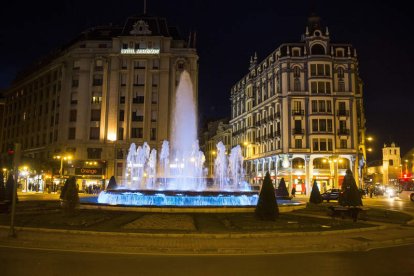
[[346, 211]]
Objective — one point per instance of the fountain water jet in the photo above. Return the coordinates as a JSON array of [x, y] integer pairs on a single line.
[[181, 174]]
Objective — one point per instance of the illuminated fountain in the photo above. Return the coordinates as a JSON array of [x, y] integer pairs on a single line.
[[177, 176]]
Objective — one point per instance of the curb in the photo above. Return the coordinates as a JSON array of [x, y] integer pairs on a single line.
[[198, 235]]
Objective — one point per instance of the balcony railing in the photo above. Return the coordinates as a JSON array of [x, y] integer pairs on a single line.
[[298, 131], [343, 131], [298, 112], [342, 113]]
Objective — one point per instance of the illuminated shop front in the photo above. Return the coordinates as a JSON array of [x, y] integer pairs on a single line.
[[90, 180]]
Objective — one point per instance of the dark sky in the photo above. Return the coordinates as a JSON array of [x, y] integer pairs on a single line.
[[229, 32]]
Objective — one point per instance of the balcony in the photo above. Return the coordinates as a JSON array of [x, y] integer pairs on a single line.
[[298, 112], [342, 113], [343, 132], [298, 131]]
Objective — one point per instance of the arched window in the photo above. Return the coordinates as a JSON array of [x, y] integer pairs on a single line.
[[317, 49], [340, 72]]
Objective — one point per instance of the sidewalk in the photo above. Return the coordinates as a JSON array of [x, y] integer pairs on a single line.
[[382, 235]]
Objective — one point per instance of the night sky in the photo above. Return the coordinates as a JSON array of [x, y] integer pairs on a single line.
[[228, 33]]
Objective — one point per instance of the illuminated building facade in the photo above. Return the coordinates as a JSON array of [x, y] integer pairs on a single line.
[[111, 86], [298, 113]]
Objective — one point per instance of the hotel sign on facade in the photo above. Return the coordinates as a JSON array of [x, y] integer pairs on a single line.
[[140, 51]]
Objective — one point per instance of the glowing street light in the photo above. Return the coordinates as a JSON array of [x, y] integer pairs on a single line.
[[62, 158]]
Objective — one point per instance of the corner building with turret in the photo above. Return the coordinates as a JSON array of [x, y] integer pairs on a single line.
[[109, 87], [298, 114]]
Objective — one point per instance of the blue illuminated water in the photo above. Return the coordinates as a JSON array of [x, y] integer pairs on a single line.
[[160, 199]]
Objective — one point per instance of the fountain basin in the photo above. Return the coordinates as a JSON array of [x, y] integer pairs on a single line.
[[178, 198]]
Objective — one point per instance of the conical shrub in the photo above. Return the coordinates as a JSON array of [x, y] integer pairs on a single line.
[[112, 184], [282, 190], [70, 196], [350, 195], [315, 196], [267, 208]]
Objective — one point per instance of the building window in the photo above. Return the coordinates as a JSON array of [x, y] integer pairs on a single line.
[[123, 79], [391, 162], [94, 153], [138, 97], [97, 80], [322, 145], [139, 64], [341, 86], [96, 98], [72, 115], [343, 144], [296, 85], [75, 81], [94, 133], [153, 134], [154, 97], [95, 115], [315, 143], [154, 116], [321, 70], [72, 133], [137, 116], [121, 115], [73, 99], [137, 132], [122, 97], [298, 143], [340, 52], [317, 49], [124, 64], [315, 126], [121, 133]]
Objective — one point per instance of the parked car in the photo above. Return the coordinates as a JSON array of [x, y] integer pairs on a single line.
[[407, 192], [331, 194]]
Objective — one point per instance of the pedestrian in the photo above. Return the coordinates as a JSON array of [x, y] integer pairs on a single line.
[[371, 191], [293, 192]]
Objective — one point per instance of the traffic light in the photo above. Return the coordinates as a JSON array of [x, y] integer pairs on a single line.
[[13, 154]]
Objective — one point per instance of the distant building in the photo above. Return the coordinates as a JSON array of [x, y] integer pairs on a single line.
[[391, 163], [109, 87], [387, 171], [216, 131], [299, 112]]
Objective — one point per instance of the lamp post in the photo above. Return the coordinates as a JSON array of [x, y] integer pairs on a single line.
[[62, 158]]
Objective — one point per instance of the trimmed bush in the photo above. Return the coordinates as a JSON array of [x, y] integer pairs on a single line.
[[112, 184], [267, 208], [350, 195], [281, 190], [69, 196], [315, 196]]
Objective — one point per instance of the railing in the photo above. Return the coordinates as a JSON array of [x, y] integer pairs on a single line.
[[298, 131], [342, 113], [343, 131], [299, 112]]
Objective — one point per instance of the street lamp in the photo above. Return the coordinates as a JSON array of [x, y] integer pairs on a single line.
[[62, 158]]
